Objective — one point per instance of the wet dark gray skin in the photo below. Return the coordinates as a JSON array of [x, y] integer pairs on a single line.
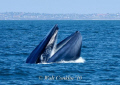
[[68, 49]]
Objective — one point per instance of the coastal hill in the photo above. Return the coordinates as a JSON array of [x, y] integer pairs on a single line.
[[46, 16]]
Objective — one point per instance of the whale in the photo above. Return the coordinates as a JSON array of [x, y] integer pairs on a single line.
[[47, 51], [42, 51], [68, 49]]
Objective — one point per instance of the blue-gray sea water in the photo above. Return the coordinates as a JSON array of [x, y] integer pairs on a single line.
[[100, 50]]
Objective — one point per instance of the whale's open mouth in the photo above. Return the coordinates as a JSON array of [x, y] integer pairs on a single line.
[[48, 51]]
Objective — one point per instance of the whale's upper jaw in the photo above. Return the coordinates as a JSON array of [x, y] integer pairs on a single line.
[[35, 55], [48, 49]]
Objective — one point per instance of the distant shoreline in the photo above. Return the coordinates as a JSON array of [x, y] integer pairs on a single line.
[[45, 16], [62, 20]]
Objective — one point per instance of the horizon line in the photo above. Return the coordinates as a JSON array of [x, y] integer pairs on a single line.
[[61, 13]]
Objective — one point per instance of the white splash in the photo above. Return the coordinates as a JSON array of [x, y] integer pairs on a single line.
[[79, 60]]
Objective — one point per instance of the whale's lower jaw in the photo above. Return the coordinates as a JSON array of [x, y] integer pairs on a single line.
[[68, 49]]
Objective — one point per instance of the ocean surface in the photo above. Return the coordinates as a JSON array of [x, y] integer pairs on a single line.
[[99, 63]]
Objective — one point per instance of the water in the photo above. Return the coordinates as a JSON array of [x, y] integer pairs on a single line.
[[99, 64]]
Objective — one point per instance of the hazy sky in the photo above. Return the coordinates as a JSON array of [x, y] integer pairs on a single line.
[[61, 6]]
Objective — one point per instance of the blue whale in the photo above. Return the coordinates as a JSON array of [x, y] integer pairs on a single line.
[[48, 51]]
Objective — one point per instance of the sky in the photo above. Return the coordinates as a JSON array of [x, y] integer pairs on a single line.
[[61, 6]]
